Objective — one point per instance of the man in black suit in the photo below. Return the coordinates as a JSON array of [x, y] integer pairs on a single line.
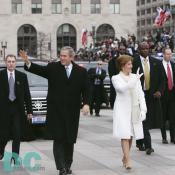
[[113, 70], [168, 97], [97, 91], [14, 96], [153, 86], [67, 86]]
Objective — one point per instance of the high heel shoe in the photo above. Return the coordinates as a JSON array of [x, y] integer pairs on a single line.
[[128, 165], [124, 161]]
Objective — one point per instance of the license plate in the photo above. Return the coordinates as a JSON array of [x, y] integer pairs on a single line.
[[38, 119]]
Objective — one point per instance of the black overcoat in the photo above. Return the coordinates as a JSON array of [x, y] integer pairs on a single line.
[[157, 83], [92, 76], [22, 98], [168, 97], [63, 98]]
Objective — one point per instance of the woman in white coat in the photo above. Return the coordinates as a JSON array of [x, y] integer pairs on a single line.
[[129, 107]]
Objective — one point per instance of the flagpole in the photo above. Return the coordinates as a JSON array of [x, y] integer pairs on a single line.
[[171, 21]]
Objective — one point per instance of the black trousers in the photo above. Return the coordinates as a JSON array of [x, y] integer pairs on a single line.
[[146, 141], [63, 154], [15, 132], [96, 99], [168, 115]]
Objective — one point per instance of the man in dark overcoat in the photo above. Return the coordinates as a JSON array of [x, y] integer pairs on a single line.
[[14, 96], [168, 97], [114, 70], [153, 85], [97, 91], [67, 86]]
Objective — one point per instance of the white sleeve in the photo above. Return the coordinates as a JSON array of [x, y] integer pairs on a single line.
[[121, 86]]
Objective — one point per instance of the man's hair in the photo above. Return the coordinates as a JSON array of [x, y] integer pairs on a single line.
[[10, 55], [164, 49], [70, 50]]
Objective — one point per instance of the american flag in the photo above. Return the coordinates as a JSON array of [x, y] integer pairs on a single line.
[[162, 17], [84, 37]]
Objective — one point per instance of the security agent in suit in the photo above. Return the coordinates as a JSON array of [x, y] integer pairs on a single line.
[[97, 91], [67, 87], [14, 96], [114, 70], [168, 97], [153, 86]]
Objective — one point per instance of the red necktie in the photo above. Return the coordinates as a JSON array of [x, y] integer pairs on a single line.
[[170, 81]]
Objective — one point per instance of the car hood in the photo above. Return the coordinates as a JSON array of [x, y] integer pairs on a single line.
[[38, 92]]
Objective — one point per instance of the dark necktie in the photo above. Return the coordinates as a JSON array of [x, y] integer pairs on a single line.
[[12, 96]]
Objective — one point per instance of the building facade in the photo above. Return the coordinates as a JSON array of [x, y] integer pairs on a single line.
[[146, 14], [42, 27]]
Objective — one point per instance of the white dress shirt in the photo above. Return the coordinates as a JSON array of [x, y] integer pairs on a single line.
[[69, 67]]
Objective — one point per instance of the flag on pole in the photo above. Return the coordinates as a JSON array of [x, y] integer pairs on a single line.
[[84, 37], [162, 17]]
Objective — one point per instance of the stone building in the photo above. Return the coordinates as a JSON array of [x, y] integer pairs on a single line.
[[42, 27]]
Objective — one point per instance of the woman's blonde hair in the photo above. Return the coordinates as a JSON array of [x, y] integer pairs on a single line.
[[122, 60]]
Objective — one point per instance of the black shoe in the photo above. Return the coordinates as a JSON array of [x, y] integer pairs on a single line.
[[173, 141], [63, 171], [1, 155], [149, 151], [68, 171], [165, 141], [97, 115], [141, 147], [15, 162]]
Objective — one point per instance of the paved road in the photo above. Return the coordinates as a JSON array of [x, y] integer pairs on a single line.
[[98, 153]]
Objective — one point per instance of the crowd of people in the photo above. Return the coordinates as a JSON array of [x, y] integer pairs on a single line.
[[108, 48]]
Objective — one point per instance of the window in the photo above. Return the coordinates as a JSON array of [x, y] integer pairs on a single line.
[[138, 13], [148, 1], [75, 6], [142, 22], [148, 11], [142, 2], [142, 12], [95, 6], [154, 9], [27, 39], [148, 21], [56, 6], [115, 6], [138, 23], [16, 6], [36, 6]]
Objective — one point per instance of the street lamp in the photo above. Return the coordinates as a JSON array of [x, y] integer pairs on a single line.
[[4, 46]]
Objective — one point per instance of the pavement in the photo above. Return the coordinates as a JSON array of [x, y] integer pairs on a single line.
[[97, 152]]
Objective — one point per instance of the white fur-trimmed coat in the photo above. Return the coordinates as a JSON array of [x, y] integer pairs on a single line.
[[129, 104]]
